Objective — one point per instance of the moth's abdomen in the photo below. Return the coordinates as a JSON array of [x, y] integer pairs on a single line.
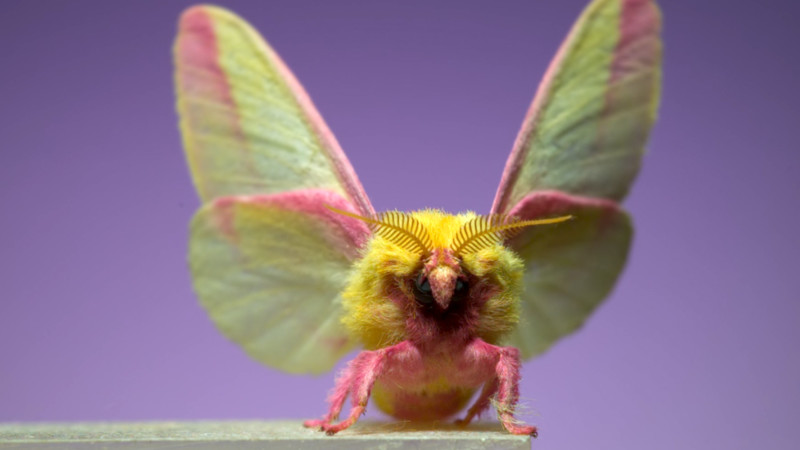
[[434, 401]]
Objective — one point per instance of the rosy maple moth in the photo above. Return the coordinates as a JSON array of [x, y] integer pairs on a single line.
[[290, 260]]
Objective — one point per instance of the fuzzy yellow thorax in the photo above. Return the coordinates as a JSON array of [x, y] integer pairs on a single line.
[[377, 321]]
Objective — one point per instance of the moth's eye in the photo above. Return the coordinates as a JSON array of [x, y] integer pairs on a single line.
[[461, 290], [422, 292]]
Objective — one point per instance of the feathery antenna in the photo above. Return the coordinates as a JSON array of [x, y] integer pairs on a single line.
[[396, 227], [485, 231]]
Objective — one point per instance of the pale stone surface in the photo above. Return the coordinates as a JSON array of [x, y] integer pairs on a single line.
[[255, 435]]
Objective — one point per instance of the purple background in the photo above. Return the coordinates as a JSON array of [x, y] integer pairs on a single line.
[[697, 347]]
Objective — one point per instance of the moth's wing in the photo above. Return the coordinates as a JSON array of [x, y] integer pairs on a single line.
[[586, 129], [577, 153], [269, 271], [268, 259], [570, 267], [248, 126]]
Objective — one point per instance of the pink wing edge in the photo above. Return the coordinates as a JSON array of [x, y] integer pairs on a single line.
[[636, 16], [197, 19], [345, 234], [541, 204]]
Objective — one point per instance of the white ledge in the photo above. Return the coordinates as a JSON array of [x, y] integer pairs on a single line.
[[257, 434]]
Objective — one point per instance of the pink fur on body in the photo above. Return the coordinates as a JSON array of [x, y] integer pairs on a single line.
[[405, 367]]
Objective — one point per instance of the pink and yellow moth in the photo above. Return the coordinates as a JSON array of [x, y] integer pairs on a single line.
[[291, 261]]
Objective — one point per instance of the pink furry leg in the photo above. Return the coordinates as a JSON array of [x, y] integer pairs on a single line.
[[483, 402], [336, 400], [364, 370], [508, 391]]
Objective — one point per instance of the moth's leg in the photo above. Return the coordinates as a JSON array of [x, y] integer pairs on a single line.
[[335, 399], [366, 368], [500, 366], [483, 402], [508, 391]]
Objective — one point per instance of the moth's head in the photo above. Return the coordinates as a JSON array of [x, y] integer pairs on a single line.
[[431, 266], [424, 271]]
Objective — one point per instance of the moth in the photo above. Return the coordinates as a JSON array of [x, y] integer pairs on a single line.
[[291, 261]]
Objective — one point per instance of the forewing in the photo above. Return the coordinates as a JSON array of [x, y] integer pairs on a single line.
[[248, 126], [269, 271], [586, 129], [569, 267]]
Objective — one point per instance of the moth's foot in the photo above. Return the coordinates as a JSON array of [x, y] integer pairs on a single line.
[[315, 423], [521, 429], [331, 429], [324, 425]]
